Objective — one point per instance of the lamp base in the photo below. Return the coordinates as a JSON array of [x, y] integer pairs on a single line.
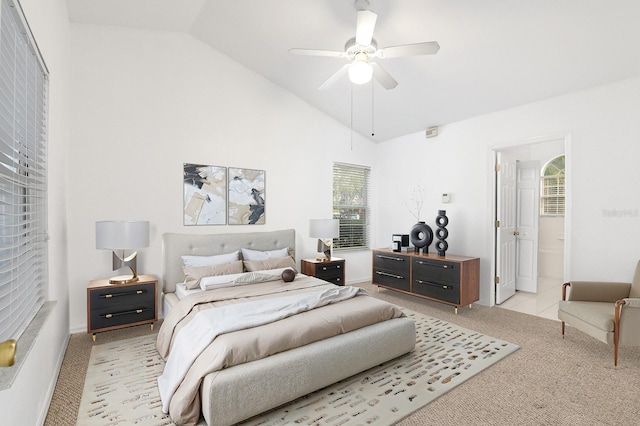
[[123, 279]]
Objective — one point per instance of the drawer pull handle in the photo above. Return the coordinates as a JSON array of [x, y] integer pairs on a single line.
[[399, 277], [433, 284], [132, 311], [431, 264], [397, 259], [125, 293], [338, 266], [324, 268]]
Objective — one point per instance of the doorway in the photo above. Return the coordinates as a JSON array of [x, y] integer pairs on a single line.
[[529, 246]]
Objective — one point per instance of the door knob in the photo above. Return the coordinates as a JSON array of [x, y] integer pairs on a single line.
[[516, 233]]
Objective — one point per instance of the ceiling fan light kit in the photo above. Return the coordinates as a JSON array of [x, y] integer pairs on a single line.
[[362, 48], [360, 71]]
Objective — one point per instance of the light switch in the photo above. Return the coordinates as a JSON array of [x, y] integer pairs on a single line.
[[446, 197]]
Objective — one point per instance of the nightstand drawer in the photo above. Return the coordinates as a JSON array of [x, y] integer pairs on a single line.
[[330, 270], [120, 315], [140, 294], [327, 270]]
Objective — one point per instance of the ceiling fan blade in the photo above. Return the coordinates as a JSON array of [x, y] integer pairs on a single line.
[[425, 48], [335, 77], [314, 52], [365, 24], [383, 77]]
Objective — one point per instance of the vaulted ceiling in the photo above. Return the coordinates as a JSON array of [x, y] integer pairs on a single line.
[[494, 54]]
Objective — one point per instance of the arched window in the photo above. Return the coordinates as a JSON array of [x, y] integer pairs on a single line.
[[552, 188]]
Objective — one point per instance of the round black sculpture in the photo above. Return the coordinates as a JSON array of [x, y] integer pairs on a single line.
[[421, 237], [441, 233], [288, 275]]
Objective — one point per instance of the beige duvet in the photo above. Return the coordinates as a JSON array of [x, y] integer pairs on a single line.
[[254, 343]]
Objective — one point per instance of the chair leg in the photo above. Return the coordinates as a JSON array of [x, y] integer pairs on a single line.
[[616, 331], [563, 329]]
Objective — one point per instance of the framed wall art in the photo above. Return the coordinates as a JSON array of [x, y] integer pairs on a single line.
[[205, 194], [246, 204]]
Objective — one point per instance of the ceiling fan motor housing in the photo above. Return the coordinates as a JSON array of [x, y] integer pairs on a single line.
[[352, 49]]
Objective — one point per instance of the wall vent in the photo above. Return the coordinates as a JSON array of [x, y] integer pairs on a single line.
[[432, 132]]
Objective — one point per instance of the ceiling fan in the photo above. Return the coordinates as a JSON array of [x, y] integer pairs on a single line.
[[361, 49]]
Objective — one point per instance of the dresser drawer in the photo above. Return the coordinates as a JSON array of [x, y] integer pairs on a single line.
[[142, 294], [392, 279], [436, 271], [390, 262], [448, 292]]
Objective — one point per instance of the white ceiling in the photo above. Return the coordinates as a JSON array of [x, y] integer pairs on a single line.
[[494, 54]]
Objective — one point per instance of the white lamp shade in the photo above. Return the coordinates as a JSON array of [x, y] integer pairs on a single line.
[[324, 228], [122, 234]]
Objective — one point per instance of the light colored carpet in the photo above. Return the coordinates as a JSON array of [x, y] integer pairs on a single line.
[[549, 381], [120, 386]]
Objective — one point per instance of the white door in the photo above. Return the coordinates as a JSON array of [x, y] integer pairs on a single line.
[[505, 225], [527, 206]]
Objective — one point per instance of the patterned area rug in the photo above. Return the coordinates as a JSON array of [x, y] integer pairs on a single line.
[[120, 387]]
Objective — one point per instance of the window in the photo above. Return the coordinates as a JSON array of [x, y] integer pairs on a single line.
[[552, 188], [23, 174], [351, 205]]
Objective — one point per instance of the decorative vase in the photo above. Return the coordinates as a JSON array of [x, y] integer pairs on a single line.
[[441, 232], [421, 237]]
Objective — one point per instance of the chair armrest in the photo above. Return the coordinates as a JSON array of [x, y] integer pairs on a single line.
[[630, 302], [596, 291]]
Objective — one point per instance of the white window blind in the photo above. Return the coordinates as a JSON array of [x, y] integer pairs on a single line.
[[23, 184], [351, 205], [552, 188]]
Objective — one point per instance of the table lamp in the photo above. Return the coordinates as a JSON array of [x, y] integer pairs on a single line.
[[119, 236], [325, 230]]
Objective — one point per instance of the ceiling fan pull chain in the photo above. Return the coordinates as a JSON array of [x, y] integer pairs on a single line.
[[372, 110], [351, 124]]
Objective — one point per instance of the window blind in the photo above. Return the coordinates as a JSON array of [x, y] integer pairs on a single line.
[[351, 205], [23, 174]]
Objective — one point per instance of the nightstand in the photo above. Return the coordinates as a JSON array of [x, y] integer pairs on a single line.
[[113, 306], [328, 270]]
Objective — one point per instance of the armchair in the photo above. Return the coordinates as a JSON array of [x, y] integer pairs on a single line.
[[607, 311]]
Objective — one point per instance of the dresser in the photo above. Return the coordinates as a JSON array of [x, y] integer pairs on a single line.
[[114, 306], [449, 279], [328, 270]]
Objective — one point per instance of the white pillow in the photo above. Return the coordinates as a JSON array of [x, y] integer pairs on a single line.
[[232, 280], [210, 260], [248, 254]]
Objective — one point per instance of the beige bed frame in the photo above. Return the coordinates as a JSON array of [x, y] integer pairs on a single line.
[[240, 392]]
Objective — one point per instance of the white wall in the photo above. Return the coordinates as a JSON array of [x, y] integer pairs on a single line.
[[603, 128], [27, 401], [144, 103]]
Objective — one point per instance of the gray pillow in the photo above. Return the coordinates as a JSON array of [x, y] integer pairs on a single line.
[[261, 265]]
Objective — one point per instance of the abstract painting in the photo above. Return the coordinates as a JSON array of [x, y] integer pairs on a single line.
[[246, 196], [205, 194]]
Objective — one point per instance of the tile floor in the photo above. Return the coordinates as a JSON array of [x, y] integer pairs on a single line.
[[543, 304]]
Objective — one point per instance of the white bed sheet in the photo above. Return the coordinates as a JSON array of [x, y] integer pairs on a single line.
[[182, 292]]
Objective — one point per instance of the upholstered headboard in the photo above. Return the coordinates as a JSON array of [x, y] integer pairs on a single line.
[[176, 245]]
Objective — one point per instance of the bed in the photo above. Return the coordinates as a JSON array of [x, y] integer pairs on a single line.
[[239, 392]]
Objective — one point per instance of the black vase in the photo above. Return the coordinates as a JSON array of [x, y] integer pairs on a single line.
[[421, 237], [441, 232]]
